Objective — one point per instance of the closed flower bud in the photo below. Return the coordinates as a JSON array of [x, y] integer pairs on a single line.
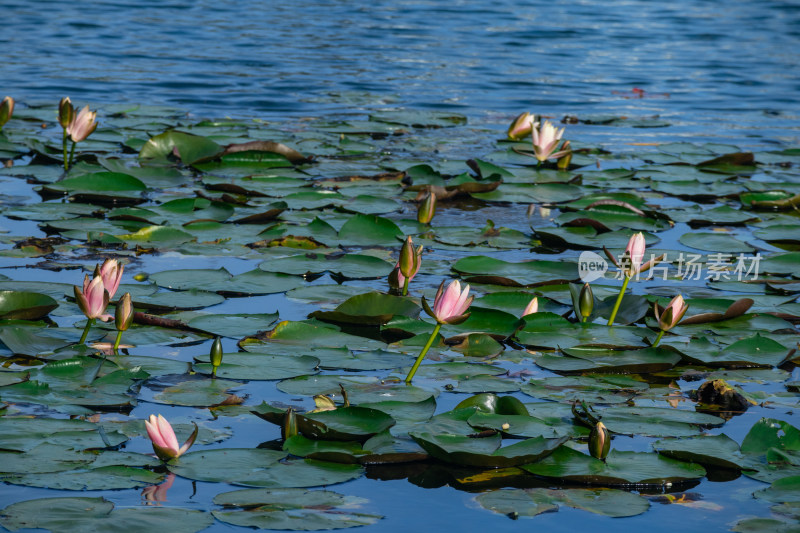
[[123, 315], [532, 307], [65, 112], [521, 126], [289, 428], [6, 110], [586, 301], [216, 353], [599, 442], [564, 161], [427, 209]]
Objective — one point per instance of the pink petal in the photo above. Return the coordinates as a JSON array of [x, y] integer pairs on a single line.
[[168, 434], [152, 431]]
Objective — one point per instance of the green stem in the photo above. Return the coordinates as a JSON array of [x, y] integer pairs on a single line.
[[405, 286], [214, 371], [64, 145], [421, 356], [658, 339], [71, 155], [583, 319], [116, 342], [619, 301], [89, 323]]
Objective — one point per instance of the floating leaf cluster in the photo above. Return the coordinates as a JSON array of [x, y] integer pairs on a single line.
[[281, 242]]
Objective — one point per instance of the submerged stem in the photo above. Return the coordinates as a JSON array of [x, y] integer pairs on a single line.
[[421, 356], [619, 301], [658, 339], [89, 324]]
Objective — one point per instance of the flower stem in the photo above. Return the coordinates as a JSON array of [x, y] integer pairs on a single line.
[[421, 356], [405, 286], [64, 144], [89, 324], [658, 339], [619, 301], [116, 342], [71, 155]]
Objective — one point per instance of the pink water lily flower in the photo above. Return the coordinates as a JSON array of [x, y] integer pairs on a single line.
[[672, 314], [545, 141], [450, 306], [522, 126], [532, 307], [82, 125], [634, 254], [93, 299], [111, 272], [163, 438]]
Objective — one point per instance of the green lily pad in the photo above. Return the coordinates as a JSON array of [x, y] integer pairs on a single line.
[[24, 434], [619, 468], [349, 266], [237, 325], [531, 502], [715, 450], [291, 509], [583, 359], [256, 366], [373, 308], [785, 490], [657, 421], [592, 388], [19, 305], [342, 424], [485, 452], [715, 242], [64, 515], [197, 393], [360, 389], [483, 269]]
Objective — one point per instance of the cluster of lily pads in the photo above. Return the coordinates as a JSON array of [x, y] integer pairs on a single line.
[[531, 379]]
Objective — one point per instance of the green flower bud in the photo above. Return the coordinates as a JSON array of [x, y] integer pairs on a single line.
[[123, 315], [586, 301], [216, 354], [65, 112], [289, 428], [427, 209], [6, 110], [599, 442]]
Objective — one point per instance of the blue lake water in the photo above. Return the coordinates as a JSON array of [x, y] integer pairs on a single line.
[[725, 72], [728, 69]]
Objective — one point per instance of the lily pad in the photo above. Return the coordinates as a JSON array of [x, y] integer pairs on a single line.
[[20, 305], [619, 468], [291, 509], [528, 503]]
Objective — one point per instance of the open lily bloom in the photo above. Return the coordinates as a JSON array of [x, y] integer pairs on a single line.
[[82, 125], [450, 306], [545, 141], [162, 436]]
